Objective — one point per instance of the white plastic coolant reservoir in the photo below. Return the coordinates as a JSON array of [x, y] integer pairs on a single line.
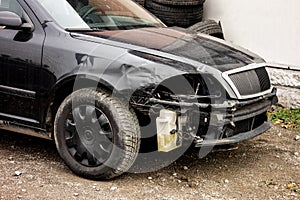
[[167, 131]]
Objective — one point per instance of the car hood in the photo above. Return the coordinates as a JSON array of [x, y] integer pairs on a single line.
[[203, 49]]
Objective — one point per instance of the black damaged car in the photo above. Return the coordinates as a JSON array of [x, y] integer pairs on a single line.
[[98, 77]]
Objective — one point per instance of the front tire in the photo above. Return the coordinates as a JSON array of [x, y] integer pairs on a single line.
[[96, 135]]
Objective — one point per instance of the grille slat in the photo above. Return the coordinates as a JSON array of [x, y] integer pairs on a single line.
[[252, 81], [264, 79]]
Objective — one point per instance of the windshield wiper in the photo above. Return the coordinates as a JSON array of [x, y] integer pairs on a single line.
[[79, 29], [92, 29], [145, 25]]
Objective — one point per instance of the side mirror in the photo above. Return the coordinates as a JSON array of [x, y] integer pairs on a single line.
[[10, 19]]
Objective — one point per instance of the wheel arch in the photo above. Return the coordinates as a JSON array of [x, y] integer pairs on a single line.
[[64, 88]]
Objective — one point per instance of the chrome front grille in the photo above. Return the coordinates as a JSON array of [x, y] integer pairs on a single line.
[[249, 82], [264, 79]]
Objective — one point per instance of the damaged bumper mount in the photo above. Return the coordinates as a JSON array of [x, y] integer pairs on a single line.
[[230, 104], [220, 124]]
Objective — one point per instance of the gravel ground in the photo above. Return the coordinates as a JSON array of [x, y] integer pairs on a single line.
[[267, 167]]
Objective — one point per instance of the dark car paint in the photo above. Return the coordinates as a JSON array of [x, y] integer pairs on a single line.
[[47, 59], [20, 62], [181, 44]]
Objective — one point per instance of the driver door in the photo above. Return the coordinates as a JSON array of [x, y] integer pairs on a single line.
[[20, 63]]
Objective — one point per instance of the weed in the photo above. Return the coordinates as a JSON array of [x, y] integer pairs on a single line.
[[286, 118]]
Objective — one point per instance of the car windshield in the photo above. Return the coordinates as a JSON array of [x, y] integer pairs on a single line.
[[99, 14]]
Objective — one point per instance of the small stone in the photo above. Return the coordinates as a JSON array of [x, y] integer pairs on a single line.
[[19, 197], [297, 137], [113, 188], [290, 185], [279, 134], [185, 168], [76, 194], [10, 158], [296, 153], [150, 178], [179, 181], [226, 181], [18, 173], [175, 174], [23, 190]]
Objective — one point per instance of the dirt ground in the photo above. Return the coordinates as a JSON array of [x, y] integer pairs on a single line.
[[267, 167]]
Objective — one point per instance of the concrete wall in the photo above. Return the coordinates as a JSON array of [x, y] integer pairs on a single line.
[[287, 83], [270, 28]]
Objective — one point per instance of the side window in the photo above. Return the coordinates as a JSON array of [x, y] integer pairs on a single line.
[[11, 5]]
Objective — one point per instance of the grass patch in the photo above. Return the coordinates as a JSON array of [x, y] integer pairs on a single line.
[[286, 118]]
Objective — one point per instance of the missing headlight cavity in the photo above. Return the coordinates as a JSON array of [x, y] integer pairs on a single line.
[[190, 88], [187, 88]]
